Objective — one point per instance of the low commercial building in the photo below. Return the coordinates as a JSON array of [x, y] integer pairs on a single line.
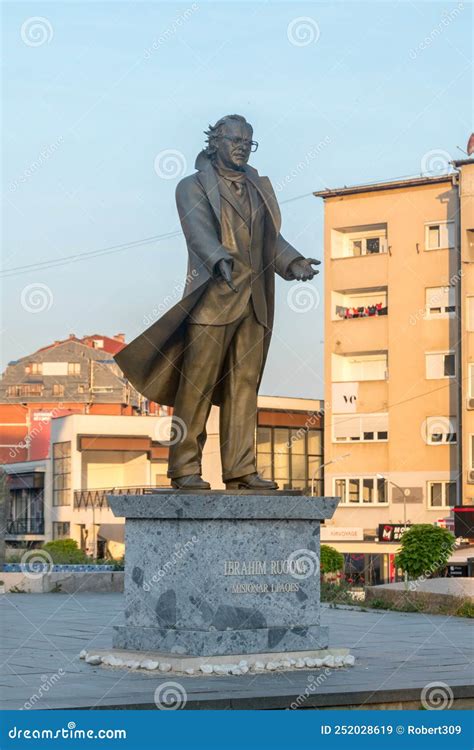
[[89, 456]]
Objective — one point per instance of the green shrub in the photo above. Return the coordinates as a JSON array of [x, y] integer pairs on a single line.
[[379, 604], [65, 552], [336, 593], [118, 563], [332, 561], [15, 557], [425, 549], [466, 609]]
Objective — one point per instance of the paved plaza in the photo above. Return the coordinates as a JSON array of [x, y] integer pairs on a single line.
[[397, 654]]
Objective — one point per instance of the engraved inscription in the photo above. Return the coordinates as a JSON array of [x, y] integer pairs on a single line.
[[264, 568], [265, 588]]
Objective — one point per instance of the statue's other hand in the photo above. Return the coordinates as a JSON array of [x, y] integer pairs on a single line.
[[302, 268], [224, 268]]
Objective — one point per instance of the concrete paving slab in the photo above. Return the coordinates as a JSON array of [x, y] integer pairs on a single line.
[[397, 654]]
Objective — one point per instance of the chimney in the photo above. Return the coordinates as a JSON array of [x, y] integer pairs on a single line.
[[72, 335], [120, 337]]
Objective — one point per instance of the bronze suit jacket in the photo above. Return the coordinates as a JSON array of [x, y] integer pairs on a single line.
[[242, 234], [152, 361]]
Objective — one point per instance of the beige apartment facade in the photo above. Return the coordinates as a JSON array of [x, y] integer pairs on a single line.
[[398, 355], [466, 241]]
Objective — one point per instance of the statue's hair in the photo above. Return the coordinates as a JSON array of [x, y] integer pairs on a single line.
[[214, 131]]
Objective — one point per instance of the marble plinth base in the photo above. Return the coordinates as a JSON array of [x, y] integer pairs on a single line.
[[220, 642], [209, 574]]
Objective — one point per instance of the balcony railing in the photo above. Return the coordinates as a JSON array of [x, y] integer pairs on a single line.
[[97, 498], [25, 526]]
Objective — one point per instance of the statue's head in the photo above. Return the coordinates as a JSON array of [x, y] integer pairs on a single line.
[[229, 142]]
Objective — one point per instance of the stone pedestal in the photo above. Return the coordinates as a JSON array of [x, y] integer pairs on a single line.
[[213, 573]]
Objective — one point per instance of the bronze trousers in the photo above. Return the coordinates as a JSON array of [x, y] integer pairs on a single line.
[[234, 353]]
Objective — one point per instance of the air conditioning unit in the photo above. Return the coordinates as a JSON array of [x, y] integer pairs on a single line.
[[470, 403], [470, 477]]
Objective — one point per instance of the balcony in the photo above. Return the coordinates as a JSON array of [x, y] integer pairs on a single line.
[[97, 498], [358, 304], [358, 367], [25, 526], [359, 241]]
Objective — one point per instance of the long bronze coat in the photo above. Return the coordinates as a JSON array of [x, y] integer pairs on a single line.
[[152, 361]]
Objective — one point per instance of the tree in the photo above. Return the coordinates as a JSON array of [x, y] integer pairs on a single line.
[[425, 549], [331, 560]]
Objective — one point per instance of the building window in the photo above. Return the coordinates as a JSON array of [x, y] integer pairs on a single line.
[[361, 490], [61, 529], [359, 427], [439, 235], [290, 456], [73, 368], [366, 245], [441, 494], [353, 242], [27, 389], [348, 368], [441, 430], [440, 365], [26, 509], [58, 389], [470, 245], [34, 368], [81, 388], [440, 301], [62, 473], [470, 380]]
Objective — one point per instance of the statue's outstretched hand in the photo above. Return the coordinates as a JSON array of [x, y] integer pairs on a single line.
[[302, 269]]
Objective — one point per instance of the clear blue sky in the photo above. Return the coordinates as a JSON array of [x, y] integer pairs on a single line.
[[114, 84]]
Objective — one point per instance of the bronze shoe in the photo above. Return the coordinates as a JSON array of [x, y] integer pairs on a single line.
[[251, 482], [190, 482]]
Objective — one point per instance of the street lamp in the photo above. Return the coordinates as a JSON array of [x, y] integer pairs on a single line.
[[405, 492], [318, 468]]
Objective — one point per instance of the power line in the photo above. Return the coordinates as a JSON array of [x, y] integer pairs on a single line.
[[77, 257], [64, 260]]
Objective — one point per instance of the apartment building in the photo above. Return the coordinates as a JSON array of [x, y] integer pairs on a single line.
[[399, 353]]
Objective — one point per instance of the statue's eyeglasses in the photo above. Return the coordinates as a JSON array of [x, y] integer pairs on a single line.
[[251, 146]]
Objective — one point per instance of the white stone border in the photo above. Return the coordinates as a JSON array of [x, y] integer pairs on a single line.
[[328, 658]]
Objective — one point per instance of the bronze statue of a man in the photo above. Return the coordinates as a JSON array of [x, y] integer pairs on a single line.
[[211, 347]]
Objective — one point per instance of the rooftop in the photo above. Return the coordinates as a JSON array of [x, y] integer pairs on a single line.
[[110, 344], [371, 187]]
